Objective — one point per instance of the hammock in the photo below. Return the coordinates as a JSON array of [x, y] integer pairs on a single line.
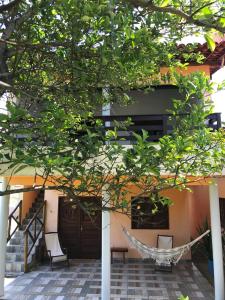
[[161, 256]]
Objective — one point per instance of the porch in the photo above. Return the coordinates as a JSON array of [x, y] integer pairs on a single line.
[[137, 279]]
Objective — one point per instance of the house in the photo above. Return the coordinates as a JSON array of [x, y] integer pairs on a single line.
[[84, 240]]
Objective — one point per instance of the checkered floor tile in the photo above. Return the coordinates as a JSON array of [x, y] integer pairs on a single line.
[[134, 280]]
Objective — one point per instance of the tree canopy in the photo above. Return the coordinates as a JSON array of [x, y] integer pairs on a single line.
[[69, 49], [61, 60]]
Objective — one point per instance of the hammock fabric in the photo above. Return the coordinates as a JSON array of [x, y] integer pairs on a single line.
[[161, 256]]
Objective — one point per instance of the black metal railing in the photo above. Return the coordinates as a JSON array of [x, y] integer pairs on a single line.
[[14, 220], [33, 230], [156, 125]]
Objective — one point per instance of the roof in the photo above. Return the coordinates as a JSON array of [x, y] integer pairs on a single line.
[[214, 59]]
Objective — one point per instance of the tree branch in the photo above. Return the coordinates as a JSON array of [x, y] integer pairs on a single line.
[[32, 189], [10, 5], [174, 11]]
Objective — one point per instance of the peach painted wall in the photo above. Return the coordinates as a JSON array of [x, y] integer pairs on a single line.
[[28, 199], [221, 185], [178, 218], [199, 207], [178, 221], [51, 221], [199, 204]]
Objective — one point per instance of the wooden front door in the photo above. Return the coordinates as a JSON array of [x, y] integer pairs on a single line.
[[79, 232]]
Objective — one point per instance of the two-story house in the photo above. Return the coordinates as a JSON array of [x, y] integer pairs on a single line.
[[87, 240]]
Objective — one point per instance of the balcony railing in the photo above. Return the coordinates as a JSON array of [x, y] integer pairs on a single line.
[[156, 125]]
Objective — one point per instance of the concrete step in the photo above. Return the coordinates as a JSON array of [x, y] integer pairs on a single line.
[[15, 247], [18, 241], [27, 220], [32, 227], [17, 267], [13, 274], [35, 206], [39, 200], [14, 257], [18, 237]]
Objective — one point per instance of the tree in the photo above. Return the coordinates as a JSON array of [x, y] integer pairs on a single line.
[[73, 48], [61, 60], [208, 15], [76, 156]]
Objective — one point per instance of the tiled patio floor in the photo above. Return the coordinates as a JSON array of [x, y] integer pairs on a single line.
[[133, 280]]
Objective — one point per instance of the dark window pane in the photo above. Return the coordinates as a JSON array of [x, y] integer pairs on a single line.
[[142, 216]]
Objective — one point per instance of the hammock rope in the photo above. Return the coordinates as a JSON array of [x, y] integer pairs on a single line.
[[161, 256]]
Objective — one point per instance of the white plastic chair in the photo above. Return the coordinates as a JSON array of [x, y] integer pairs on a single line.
[[54, 249], [164, 242]]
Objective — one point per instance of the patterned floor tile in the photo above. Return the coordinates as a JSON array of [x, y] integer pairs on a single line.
[[135, 280]]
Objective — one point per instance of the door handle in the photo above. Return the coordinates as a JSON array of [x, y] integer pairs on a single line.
[[81, 228]]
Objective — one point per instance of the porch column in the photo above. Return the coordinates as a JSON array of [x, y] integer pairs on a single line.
[[4, 212], [106, 260], [216, 241]]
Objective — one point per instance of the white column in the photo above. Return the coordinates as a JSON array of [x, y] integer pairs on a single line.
[[216, 241], [4, 212], [106, 259]]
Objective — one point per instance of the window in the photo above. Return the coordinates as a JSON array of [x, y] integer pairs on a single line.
[[222, 212], [143, 217]]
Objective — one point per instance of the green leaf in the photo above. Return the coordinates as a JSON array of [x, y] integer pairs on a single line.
[[54, 12], [210, 42], [85, 18], [222, 21], [3, 117], [204, 13], [164, 3], [183, 298], [145, 134]]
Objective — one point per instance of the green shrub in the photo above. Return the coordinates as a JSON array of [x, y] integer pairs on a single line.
[[183, 298]]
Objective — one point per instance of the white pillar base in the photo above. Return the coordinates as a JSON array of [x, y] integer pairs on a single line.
[[4, 212], [216, 241], [106, 259]]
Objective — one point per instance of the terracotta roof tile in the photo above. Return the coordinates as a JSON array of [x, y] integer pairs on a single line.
[[215, 59]]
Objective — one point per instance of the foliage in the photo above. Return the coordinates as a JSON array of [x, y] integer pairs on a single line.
[[205, 15], [68, 50], [206, 241], [77, 156], [183, 298], [61, 60]]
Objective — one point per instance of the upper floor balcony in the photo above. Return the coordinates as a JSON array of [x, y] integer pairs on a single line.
[[156, 125]]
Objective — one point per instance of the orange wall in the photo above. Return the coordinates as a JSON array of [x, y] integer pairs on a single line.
[[221, 186], [189, 211], [199, 204], [188, 70], [178, 217], [199, 207], [28, 199]]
